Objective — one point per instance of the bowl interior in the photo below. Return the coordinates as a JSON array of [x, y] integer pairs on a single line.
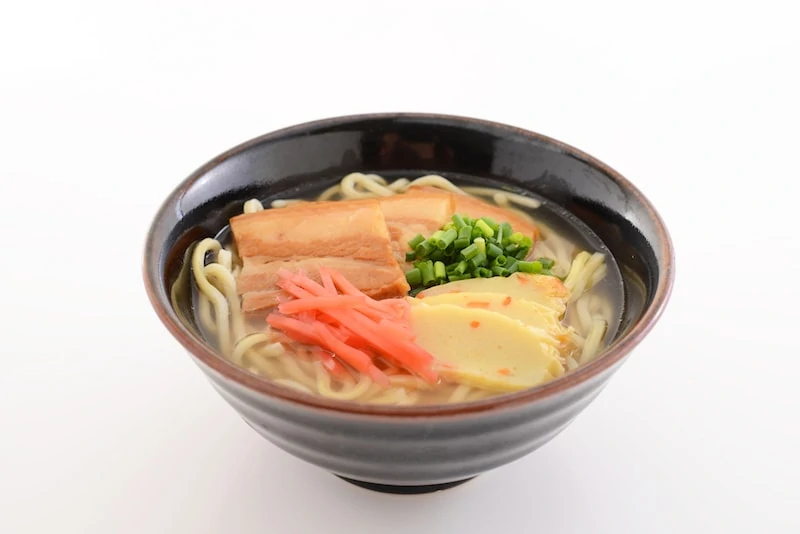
[[304, 158]]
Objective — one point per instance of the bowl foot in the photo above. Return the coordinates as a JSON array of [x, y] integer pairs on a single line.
[[404, 490]]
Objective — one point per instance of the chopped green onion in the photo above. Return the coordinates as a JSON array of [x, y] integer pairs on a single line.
[[437, 255], [532, 267], [503, 232], [414, 243], [423, 249], [461, 267], [481, 244], [483, 272], [458, 221], [512, 265], [468, 247], [479, 260], [499, 270], [426, 270], [484, 228], [547, 263], [493, 250], [470, 252], [439, 271], [414, 277], [490, 222], [445, 238], [460, 243]]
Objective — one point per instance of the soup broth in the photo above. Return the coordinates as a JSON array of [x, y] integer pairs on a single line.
[[573, 312]]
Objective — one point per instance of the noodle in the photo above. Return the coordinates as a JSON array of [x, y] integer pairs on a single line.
[[219, 313], [216, 298], [252, 206], [592, 345], [353, 392]]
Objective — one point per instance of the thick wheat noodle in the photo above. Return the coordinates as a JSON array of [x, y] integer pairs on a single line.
[[267, 366], [571, 364], [370, 187], [593, 340], [179, 285], [410, 397], [376, 185], [520, 213], [399, 185], [293, 385], [204, 314], [501, 199], [583, 316], [217, 296], [223, 280], [225, 258], [398, 396], [329, 193], [459, 394], [561, 251], [252, 206], [579, 284], [351, 391], [598, 276], [299, 375], [434, 180], [282, 203], [509, 197], [248, 342], [600, 307], [408, 382], [217, 299], [575, 268], [478, 394]]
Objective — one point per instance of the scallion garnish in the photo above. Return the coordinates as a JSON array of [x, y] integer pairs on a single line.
[[470, 248]]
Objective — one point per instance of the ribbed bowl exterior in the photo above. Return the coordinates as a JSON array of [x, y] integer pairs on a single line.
[[408, 451]]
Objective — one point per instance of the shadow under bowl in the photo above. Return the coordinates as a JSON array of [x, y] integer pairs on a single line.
[[419, 448]]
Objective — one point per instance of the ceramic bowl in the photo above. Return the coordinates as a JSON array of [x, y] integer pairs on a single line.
[[425, 448]]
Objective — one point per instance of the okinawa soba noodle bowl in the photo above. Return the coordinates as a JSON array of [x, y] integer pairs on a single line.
[[373, 292]]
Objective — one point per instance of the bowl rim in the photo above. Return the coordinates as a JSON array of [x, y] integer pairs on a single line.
[[217, 364]]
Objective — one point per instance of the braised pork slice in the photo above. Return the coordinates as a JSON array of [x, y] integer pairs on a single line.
[[409, 215], [351, 237], [475, 207]]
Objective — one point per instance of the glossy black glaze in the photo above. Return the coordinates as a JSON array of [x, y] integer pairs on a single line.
[[421, 446], [405, 490]]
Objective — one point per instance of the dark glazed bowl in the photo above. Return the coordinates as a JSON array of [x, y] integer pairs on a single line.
[[414, 449]]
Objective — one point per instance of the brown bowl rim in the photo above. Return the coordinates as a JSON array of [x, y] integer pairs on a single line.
[[228, 370]]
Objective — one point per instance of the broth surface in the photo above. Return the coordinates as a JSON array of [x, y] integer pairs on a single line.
[[244, 338]]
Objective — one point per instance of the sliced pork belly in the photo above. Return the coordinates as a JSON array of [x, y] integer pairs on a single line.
[[351, 237], [475, 207], [409, 215], [258, 280]]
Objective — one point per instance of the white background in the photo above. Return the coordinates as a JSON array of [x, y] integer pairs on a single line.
[[107, 427]]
